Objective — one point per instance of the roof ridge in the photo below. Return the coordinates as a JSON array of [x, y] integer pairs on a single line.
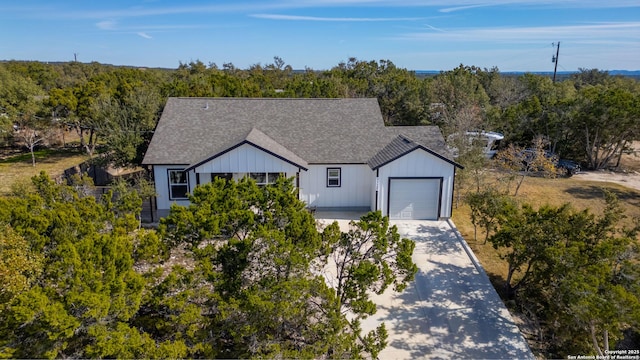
[[219, 98], [403, 136]]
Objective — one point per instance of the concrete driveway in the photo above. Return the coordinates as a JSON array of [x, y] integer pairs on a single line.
[[451, 311]]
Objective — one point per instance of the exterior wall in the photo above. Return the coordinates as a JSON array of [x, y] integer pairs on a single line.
[[354, 191], [244, 159], [163, 202], [160, 176], [357, 184], [418, 163]]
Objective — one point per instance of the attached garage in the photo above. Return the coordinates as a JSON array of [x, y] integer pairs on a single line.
[[414, 198]]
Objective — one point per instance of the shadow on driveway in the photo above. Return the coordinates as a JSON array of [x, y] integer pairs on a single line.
[[451, 310]]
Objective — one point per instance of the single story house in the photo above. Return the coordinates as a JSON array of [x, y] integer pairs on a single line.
[[339, 151]]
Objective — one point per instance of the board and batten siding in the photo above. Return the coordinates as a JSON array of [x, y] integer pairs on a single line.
[[244, 159], [418, 163], [354, 192], [161, 179], [239, 161]]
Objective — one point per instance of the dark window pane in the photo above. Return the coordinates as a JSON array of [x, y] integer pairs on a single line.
[[226, 176], [260, 178], [178, 177], [273, 177], [179, 191]]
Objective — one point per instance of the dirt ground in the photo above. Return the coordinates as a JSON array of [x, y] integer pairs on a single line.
[[629, 174], [630, 180]]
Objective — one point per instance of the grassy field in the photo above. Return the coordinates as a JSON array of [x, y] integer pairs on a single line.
[[17, 168], [539, 191]]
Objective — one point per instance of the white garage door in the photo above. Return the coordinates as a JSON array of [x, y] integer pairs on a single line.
[[415, 199]]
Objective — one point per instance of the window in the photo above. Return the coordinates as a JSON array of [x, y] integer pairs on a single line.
[[265, 178], [225, 176], [178, 184], [333, 177]]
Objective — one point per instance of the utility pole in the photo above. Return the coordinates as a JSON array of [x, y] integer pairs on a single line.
[[554, 59]]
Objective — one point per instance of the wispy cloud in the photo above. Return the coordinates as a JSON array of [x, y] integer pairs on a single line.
[[147, 11], [142, 30], [455, 5], [466, 7], [172, 27], [623, 31], [106, 25], [244, 6], [335, 19], [434, 28]]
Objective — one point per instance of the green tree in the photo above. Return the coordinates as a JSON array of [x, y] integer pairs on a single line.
[[606, 120], [84, 121], [369, 258], [20, 103], [63, 104], [19, 265], [126, 126], [398, 91], [87, 281], [527, 233], [487, 208], [253, 249], [536, 106], [590, 77], [502, 90], [44, 75], [258, 257], [574, 272], [313, 84], [584, 285], [459, 101]]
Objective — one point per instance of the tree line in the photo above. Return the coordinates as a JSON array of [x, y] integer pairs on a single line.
[[590, 117]]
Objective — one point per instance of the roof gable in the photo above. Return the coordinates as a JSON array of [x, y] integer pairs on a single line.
[[261, 141], [398, 147]]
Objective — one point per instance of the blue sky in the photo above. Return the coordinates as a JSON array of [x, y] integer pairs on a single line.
[[514, 35]]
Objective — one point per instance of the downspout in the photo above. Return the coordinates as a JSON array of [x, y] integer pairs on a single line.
[[298, 184], [153, 203], [453, 191], [377, 187]]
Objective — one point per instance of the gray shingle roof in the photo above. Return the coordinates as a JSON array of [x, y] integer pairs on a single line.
[[304, 131], [399, 146]]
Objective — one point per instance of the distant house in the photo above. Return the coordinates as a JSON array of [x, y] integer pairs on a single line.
[[339, 151]]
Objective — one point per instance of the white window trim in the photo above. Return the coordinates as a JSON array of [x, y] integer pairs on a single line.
[[266, 177], [334, 177], [171, 185]]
